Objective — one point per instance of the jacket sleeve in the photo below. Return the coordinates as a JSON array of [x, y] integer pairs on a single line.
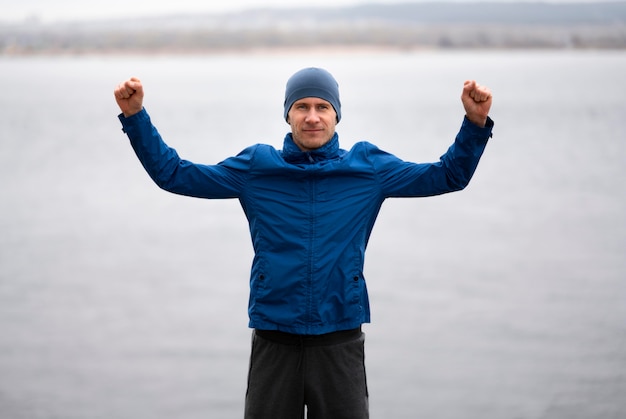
[[452, 172], [173, 174]]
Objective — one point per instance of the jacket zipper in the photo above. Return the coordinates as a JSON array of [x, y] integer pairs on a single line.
[[310, 267]]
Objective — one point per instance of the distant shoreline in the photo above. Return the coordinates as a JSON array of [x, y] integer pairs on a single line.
[[216, 42], [410, 27], [317, 49]]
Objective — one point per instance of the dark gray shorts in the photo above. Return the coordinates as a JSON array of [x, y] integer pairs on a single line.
[[324, 373]]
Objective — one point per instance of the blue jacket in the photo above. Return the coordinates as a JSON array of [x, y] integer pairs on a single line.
[[310, 215]]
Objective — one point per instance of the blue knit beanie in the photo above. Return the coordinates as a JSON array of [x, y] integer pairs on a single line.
[[312, 82]]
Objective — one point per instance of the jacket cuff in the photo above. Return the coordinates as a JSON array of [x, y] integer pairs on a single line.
[[480, 132], [133, 120]]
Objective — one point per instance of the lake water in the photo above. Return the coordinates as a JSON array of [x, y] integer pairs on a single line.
[[506, 300]]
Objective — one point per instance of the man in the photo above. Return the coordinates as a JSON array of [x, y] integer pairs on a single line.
[[311, 207]]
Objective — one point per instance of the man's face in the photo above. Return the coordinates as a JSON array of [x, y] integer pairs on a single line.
[[312, 121]]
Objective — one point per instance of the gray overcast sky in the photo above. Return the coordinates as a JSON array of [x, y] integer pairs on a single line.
[[60, 10]]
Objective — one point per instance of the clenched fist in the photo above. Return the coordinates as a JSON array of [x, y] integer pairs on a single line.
[[129, 96], [476, 101]]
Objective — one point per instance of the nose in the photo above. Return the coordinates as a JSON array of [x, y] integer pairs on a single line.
[[312, 115]]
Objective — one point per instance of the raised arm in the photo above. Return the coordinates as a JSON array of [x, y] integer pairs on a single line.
[[164, 165], [455, 168]]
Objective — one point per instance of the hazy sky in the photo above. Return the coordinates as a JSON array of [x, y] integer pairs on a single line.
[[56, 10]]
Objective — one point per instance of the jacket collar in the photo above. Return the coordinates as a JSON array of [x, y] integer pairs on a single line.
[[292, 154]]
